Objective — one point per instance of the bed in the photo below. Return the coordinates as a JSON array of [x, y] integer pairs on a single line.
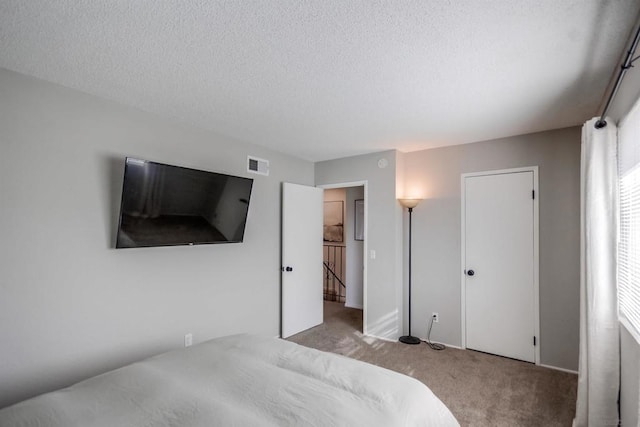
[[240, 380]]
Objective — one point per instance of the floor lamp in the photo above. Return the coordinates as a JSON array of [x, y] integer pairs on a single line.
[[409, 204]]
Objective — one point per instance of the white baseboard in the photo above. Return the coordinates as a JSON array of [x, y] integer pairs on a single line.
[[381, 338], [359, 307], [446, 345], [421, 339], [569, 371]]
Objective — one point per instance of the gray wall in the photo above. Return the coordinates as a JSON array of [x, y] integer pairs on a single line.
[[629, 378], [71, 306], [437, 239], [629, 90], [383, 290]]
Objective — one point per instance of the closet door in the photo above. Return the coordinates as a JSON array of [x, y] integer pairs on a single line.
[[499, 265]]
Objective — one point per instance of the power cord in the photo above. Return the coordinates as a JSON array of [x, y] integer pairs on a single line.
[[434, 346]]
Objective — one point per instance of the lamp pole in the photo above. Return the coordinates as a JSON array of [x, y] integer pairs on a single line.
[[410, 339]]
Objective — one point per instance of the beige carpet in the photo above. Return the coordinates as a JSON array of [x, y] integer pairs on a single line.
[[480, 389]]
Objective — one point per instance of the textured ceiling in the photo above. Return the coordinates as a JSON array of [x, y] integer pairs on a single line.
[[331, 78]]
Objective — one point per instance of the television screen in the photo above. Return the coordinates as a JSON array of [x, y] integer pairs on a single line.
[[164, 205]]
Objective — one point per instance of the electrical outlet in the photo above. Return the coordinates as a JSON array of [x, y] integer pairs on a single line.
[[436, 317], [188, 340]]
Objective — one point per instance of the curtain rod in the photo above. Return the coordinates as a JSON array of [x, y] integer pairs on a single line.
[[628, 63]]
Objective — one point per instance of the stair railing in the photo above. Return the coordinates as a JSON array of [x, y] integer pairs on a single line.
[[334, 286]]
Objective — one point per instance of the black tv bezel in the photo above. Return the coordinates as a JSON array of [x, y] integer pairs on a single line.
[[186, 243]]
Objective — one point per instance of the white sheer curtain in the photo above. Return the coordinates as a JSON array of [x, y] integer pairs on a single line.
[[598, 379]]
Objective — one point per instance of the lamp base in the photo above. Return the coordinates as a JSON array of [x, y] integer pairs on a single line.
[[408, 339]]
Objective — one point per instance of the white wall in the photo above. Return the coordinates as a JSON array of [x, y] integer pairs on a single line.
[[436, 271], [355, 251], [384, 273], [71, 306]]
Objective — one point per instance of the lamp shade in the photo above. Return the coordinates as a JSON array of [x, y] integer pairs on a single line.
[[409, 203]]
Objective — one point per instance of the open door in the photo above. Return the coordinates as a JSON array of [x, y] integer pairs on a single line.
[[301, 258]]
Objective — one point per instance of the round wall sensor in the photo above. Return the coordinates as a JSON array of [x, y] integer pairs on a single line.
[[383, 163]]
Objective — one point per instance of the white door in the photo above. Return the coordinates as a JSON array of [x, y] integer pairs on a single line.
[[301, 258], [499, 264]]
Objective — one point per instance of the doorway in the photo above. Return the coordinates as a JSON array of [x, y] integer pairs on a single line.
[[344, 263], [500, 313]]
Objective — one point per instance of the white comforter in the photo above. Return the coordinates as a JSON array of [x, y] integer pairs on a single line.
[[242, 380]]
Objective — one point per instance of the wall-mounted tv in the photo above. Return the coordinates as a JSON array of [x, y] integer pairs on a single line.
[[164, 205]]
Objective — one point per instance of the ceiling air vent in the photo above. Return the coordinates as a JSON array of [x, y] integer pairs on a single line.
[[256, 165]]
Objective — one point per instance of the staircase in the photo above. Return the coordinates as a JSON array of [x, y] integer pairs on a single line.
[[334, 288]]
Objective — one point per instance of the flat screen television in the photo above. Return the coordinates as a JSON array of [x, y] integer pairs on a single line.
[[164, 205]]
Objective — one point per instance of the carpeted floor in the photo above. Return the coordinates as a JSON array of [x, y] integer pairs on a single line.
[[480, 389]]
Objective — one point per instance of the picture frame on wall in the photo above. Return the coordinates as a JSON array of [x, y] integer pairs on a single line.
[[334, 221], [359, 220]]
